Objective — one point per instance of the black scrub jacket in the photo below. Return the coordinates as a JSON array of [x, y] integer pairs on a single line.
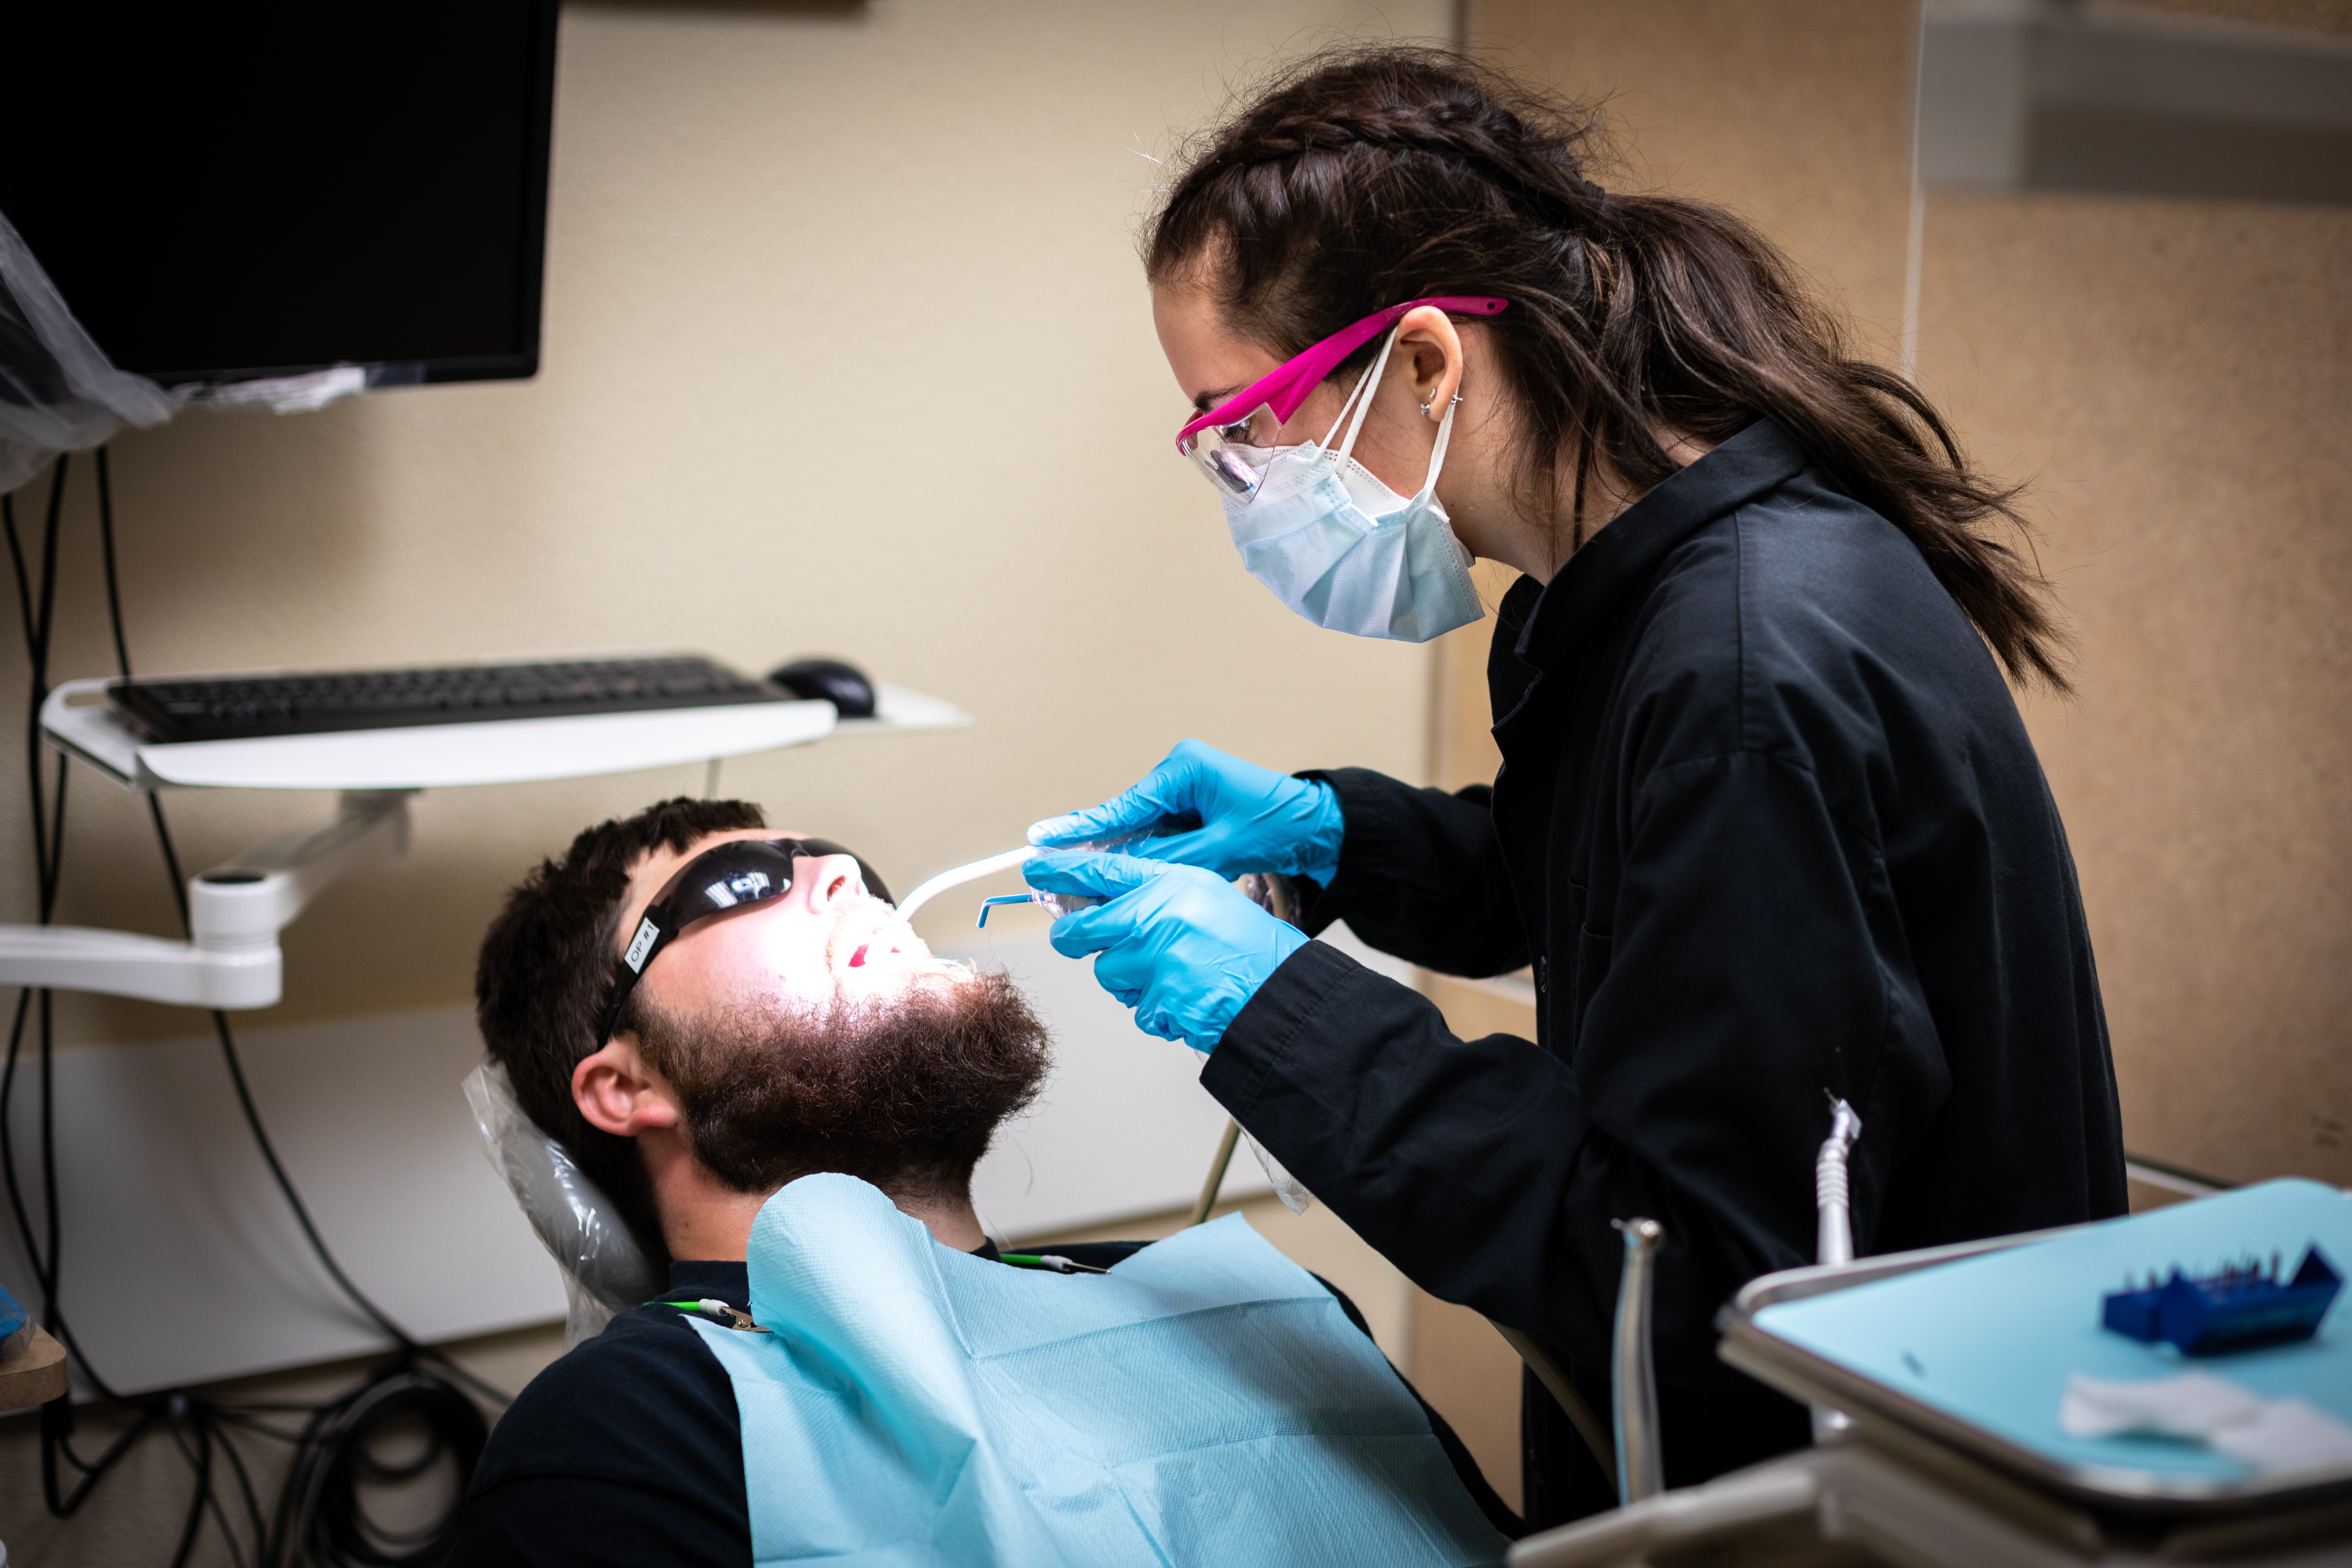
[[1768, 823]]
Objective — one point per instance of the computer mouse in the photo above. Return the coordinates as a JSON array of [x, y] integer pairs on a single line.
[[837, 681]]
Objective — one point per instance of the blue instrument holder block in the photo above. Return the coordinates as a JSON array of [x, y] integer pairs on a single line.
[[2235, 1310]]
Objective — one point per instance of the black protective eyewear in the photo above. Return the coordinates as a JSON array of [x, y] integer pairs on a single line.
[[730, 875]]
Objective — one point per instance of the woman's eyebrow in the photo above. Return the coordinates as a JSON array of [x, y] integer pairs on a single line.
[[1204, 401]]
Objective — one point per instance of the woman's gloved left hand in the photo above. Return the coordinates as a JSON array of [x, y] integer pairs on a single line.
[[1181, 946]]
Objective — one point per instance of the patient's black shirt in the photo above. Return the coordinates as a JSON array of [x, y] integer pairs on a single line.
[[628, 1450]]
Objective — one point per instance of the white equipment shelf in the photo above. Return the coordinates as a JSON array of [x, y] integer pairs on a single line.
[[78, 719], [236, 911]]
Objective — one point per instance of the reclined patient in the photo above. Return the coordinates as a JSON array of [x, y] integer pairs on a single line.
[[783, 1092]]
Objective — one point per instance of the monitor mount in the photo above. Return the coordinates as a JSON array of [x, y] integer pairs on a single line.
[[236, 911]]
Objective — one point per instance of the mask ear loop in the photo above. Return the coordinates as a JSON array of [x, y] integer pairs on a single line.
[[1363, 391], [1437, 453]]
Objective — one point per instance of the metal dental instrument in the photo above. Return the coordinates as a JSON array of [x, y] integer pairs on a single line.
[[1641, 1472], [1216, 1172], [1000, 900], [1835, 1241], [962, 874]]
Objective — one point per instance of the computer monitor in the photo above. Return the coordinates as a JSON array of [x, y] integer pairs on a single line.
[[257, 188]]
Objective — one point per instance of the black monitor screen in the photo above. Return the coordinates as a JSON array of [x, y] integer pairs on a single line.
[[260, 187]]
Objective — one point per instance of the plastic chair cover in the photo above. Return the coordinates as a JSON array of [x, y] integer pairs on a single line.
[[603, 1270], [59, 392]]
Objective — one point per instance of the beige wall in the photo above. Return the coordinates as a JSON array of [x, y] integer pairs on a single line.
[[2174, 377], [846, 349]]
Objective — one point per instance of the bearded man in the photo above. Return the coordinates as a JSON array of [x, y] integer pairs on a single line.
[[783, 1094]]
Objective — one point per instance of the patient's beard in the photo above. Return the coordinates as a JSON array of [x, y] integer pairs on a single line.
[[904, 1092]]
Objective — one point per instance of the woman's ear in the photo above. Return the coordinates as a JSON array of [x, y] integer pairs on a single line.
[[1429, 335], [618, 1093]]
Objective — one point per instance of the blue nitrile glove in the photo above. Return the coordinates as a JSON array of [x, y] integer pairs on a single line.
[[1251, 818], [1181, 945]]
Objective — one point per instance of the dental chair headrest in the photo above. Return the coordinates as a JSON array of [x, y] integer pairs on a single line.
[[603, 1270]]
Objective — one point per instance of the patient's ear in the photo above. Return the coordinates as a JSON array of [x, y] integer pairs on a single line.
[[619, 1094]]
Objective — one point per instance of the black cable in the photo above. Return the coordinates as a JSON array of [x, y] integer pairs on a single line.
[[23, 578], [37, 613], [33, 1254], [122, 664], [252, 1513], [322, 1518], [201, 1462], [106, 549], [53, 1309], [36, 642], [293, 1199], [39, 616], [170, 859], [56, 841]]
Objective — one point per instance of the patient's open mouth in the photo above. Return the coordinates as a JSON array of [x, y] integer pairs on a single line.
[[857, 959]]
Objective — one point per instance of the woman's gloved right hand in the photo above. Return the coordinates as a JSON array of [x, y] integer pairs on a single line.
[[1251, 818]]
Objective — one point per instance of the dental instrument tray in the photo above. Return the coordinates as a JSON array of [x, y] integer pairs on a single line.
[[2240, 1308], [1970, 1347]]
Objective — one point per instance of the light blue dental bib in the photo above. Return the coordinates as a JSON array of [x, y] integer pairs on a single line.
[[1206, 1401]]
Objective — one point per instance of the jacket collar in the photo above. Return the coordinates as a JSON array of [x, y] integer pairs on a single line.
[[1625, 556]]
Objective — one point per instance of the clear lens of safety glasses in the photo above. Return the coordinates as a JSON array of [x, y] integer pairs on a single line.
[[1235, 455]]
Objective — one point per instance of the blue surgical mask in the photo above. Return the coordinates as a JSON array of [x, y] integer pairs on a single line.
[[1345, 551]]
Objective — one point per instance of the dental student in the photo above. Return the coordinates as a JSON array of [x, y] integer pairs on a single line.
[[1767, 823]]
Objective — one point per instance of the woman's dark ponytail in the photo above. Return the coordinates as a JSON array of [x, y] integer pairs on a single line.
[[1372, 175]]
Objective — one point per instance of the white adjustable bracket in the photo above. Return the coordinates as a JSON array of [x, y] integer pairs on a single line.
[[234, 913]]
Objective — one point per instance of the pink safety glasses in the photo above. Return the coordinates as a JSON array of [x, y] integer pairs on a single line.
[[1232, 442]]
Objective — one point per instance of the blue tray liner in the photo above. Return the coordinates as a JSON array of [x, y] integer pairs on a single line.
[[1992, 1340]]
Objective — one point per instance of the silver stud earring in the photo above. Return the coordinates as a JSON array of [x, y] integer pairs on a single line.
[[1432, 403]]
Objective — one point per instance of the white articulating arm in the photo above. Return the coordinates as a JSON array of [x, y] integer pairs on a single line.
[[236, 911]]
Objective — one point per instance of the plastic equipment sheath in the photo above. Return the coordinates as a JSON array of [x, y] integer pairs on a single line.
[[961, 874]]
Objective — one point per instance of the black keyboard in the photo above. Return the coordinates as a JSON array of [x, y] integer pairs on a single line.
[[236, 708]]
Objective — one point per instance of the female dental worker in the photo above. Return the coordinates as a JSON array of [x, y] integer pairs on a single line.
[[1768, 823]]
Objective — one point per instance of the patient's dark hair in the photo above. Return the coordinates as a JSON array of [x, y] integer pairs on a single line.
[[1364, 176], [545, 977]]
